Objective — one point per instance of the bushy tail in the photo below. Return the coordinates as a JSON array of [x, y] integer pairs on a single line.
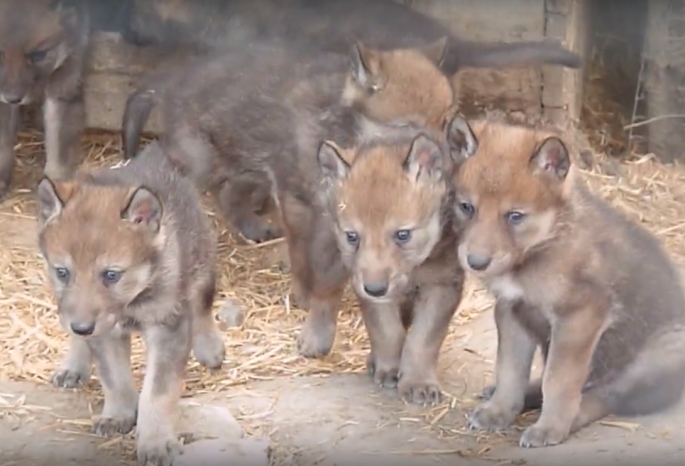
[[461, 54], [137, 111]]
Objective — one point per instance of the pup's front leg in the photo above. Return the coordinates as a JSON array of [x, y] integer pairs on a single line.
[[168, 350], [112, 354], [9, 125], [515, 352], [64, 124], [574, 338], [76, 365], [433, 310], [386, 335]]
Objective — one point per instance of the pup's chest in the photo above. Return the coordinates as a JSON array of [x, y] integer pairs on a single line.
[[533, 303]]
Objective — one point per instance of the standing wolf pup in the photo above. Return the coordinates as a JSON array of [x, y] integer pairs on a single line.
[[43, 49], [250, 117], [129, 249], [592, 288], [389, 202]]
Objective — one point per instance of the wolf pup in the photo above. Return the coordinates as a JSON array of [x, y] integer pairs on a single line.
[[389, 202], [250, 120], [593, 289], [129, 249], [43, 50]]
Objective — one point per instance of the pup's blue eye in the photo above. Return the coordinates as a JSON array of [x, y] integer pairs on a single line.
[[515, 218], [352, 237], [467, 208], [62, 274], [111, 276], [36, 56], [402, 236]]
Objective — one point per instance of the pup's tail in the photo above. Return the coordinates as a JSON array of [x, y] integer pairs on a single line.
[[136, 113], [461, 54]]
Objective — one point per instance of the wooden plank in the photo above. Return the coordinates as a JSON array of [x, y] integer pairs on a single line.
[[114, 68], [562, 87]]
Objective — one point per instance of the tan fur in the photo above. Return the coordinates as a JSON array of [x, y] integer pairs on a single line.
[[401, 86], [44, 46], [593, 289], [129, 249], [391, 197]]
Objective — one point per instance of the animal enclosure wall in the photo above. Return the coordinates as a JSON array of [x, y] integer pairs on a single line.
[[551, 93]]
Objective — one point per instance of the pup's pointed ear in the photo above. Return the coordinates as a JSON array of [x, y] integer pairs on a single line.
[[52, 197], [366, 67], [461, 140], [332, 162], [551, 158], [424, 160], [435, 51], [143, 207]]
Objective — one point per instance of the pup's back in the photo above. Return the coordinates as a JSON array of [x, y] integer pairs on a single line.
[[632, 262], [239, 101]]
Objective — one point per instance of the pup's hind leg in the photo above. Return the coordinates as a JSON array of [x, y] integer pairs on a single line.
[[532, 400], [653, 382], [112, 354], [208, 344], [76, 365]]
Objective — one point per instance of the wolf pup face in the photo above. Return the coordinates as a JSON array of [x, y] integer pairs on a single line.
[[387, 207], [101, 245], [399, 87], [510, 197], [36, 38]]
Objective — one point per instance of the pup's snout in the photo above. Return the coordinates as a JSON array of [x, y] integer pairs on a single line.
[[376, 290], [478, 262], [83, 328]]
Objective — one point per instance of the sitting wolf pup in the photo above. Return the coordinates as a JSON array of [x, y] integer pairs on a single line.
[[572, 275], [388, 200], [43, 49], [129, 249]]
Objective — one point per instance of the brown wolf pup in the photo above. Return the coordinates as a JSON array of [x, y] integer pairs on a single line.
[[389, 203], [43, 49], [129, 249], [593, 289], [250, 120]]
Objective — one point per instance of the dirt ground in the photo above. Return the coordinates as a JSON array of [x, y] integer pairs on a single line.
[[343, 420]]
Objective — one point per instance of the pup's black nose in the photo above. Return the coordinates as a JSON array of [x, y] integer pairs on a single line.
[[12, 99], [83, 328], [478, 262], [376, 290]]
